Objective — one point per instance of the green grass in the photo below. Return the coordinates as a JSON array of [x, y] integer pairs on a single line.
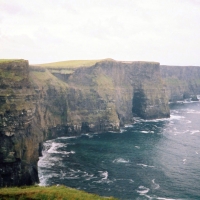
[[46, 78], [62, 71], [72, 64], [9, 60], [47, 193]]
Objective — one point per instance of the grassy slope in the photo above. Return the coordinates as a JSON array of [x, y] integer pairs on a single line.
[[47, 193]]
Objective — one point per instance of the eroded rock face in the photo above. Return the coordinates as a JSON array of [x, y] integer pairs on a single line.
[[123, 89], [182, 82], [18, 143], [35, 105]]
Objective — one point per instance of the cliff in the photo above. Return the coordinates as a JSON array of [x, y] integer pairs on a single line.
[[121, 90], [38, 103], [29, 114], [181, 82]]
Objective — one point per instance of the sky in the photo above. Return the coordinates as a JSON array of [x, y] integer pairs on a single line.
[[42, 31]]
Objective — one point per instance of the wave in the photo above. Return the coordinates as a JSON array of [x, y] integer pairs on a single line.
[[143, 165], [156, 186], [105, 175], [120, 160], [162, 198], [153, 120], [191, 111], [69, 137], [122, 130], [172, 117], [104, 179], [47, 161], [176, 117], [194, 131], [142, 190], [128, 126], [55, 146], [44, 179], [144, 131]]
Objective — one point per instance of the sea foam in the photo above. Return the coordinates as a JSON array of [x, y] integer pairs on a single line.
[[142, 190], [120, 160]]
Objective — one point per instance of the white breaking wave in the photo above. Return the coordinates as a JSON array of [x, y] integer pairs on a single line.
[[55, 146], [137, 147], [190, 111], [122, 130], [43, 180], [120, 160], [105, 175], [145, 165], [128, 125], [194, 131], [156, 186], [66, 138], [104, 179], [153, 120], [47, 161], [89, 135], [176, 117], [144, 131], [142, 190]]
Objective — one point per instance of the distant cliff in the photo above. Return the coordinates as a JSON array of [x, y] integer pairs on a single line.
[[182, 82], [38, 103]]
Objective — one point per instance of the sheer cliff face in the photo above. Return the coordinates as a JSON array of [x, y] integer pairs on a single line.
[[36, 105], [30, 112], [181, 81], [126, 89], [149, 95], [18, 141]]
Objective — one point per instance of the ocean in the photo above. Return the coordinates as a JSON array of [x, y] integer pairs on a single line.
[[150, 159]]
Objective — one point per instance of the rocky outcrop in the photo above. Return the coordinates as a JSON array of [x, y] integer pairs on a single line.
[[182, 82], [38, 104]]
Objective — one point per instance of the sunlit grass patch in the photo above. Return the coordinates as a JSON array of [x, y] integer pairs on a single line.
[[9, 60], [47, 193]]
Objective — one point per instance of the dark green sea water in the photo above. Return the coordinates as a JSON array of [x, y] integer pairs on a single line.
[[158, 159]]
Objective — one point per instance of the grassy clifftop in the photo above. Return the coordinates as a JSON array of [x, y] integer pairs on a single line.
[[70, 64], [48, 193], [10, 60]]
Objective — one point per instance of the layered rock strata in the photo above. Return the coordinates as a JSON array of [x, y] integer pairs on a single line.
[[181, 82]]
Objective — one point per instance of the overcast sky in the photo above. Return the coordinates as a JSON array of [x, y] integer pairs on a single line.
[[167, 31]]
